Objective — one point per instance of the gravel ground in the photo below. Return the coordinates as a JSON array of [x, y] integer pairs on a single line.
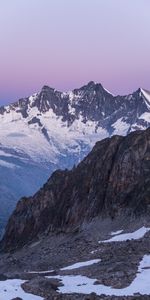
[[118, 266]]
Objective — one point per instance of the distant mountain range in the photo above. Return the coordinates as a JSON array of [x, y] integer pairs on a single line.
[[52, 130]]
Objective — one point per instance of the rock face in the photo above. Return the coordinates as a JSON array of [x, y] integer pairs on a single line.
[[52, 129], [113, 179]]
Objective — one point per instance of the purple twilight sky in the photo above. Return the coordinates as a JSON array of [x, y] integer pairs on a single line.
[[66, 43]]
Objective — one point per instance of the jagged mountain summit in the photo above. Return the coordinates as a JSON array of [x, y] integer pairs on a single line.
[[52, 129], [59, 120], [113, 180]]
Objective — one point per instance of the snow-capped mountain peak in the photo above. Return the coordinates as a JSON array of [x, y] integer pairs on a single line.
[[51, 118]]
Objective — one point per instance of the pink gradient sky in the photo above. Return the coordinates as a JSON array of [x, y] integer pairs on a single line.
[[66, 43]]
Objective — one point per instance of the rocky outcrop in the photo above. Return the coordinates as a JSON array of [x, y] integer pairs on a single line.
[[113, 179]]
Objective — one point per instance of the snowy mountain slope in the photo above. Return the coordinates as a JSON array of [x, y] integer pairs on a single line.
[[51, 130]]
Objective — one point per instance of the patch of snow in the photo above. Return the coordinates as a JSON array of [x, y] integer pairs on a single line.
[[7, 164], [84, 285], [108, 92], [71, 96], [35, 244], [76, 284], [11, 288], [138, 234], [33, 98], [94, 251], [120, 127], [145, 116], [71, 109], [129, 97], [116, 232], [71, 267], [74, 97], [81, 264], [3, 153], [147, 97], [40, 272], [136, 126]]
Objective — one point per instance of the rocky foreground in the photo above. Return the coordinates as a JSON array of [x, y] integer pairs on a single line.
[[40, 263], [86, 234]]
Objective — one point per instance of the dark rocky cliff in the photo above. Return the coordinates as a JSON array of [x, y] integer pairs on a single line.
[[113, 179]]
